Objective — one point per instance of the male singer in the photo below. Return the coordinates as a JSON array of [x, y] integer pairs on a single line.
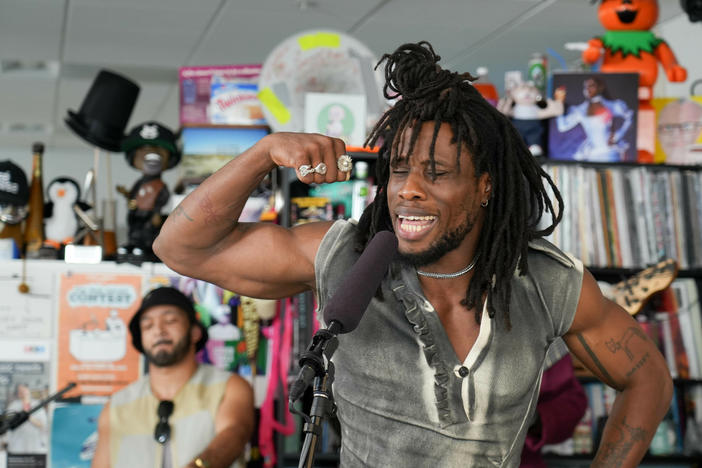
[[444, 367]]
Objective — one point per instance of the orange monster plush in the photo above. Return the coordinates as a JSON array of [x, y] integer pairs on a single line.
[[628, 47]]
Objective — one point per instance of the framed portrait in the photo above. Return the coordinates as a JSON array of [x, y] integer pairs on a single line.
[[678, 130], [600, 118]]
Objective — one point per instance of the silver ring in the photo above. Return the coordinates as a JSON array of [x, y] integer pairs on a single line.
[[305, 170], [344, 163], [320, 168]]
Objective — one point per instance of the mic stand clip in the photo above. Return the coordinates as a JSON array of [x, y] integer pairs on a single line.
[[322, 406]]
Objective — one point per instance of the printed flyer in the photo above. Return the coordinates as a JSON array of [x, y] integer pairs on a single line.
[[94, 345]]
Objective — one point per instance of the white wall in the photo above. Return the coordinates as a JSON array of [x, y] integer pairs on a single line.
[[685, 38]]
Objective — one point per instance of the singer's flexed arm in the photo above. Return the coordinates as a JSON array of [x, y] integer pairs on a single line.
[[615, 348], [203, 239]]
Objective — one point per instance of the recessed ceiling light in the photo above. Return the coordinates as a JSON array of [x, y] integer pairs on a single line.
[[34, 128], [33, 68]]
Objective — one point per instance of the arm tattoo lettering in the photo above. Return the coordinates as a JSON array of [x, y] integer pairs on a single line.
[[613, 454], [638, 365], [608, 378], [623, 342], [180, 211]]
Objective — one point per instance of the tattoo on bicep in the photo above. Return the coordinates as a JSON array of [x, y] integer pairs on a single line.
[[638, 365], [613, 453], [623, 342], [180, 211], [596, 361]]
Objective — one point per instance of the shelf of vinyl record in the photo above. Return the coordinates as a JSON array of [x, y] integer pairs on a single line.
[[629, 216]]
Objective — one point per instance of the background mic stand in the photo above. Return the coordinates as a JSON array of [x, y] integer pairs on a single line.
[[12, 420], [322, 406]]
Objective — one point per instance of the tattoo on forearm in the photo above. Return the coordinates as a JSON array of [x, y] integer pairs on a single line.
[[591, 353], [613, 453], [180, 211], [623, 342]]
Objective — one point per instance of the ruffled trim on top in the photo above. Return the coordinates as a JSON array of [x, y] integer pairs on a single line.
[[431, 353]]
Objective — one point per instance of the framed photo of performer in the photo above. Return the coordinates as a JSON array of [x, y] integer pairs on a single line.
[[599, 122]]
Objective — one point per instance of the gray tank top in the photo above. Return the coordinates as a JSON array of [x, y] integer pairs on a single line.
[[404, 399]]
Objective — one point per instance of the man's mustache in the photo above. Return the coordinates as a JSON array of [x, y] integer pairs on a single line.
[[163, 342]]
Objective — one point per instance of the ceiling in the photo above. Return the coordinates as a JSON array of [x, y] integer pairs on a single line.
[[148, 40]]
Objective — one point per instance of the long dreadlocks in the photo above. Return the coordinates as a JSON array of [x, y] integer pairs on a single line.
[[431, 94]]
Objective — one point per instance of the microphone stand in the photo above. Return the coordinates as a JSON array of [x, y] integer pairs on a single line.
[[324, 343], [10, 421], [322, 405]]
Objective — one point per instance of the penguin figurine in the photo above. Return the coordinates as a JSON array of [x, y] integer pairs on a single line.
[[60, 221]]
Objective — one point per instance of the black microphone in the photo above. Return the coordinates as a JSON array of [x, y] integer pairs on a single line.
[[346, 307], [348, 304]]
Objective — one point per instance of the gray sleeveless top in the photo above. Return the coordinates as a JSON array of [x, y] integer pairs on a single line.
[[405, 400]]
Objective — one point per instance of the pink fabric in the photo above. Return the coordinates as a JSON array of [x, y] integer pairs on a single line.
[[562, 404], [280, 363]]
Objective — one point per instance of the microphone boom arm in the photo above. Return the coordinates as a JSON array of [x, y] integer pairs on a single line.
[[11, 421]]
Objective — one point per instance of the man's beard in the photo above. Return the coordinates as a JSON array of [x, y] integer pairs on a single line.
[[448, 242], [164, 358]]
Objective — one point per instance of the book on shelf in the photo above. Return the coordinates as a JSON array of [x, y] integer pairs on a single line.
[[621, 220], [689, 317], [678, 219]]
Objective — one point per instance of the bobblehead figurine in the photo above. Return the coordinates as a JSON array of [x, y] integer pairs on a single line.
[[528, 110], [628, 46], [14, 197], [60, 220], [151, 148]]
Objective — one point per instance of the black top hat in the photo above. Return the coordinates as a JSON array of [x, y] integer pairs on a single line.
[[166, 295], [14, 189], [155, 134], [693, 8], [105, 111]]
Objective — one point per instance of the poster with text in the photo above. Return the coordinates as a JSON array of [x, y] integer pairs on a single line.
[[94, 344]]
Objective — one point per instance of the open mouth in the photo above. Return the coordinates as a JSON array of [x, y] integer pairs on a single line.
[[627, 16], [413, 225]]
